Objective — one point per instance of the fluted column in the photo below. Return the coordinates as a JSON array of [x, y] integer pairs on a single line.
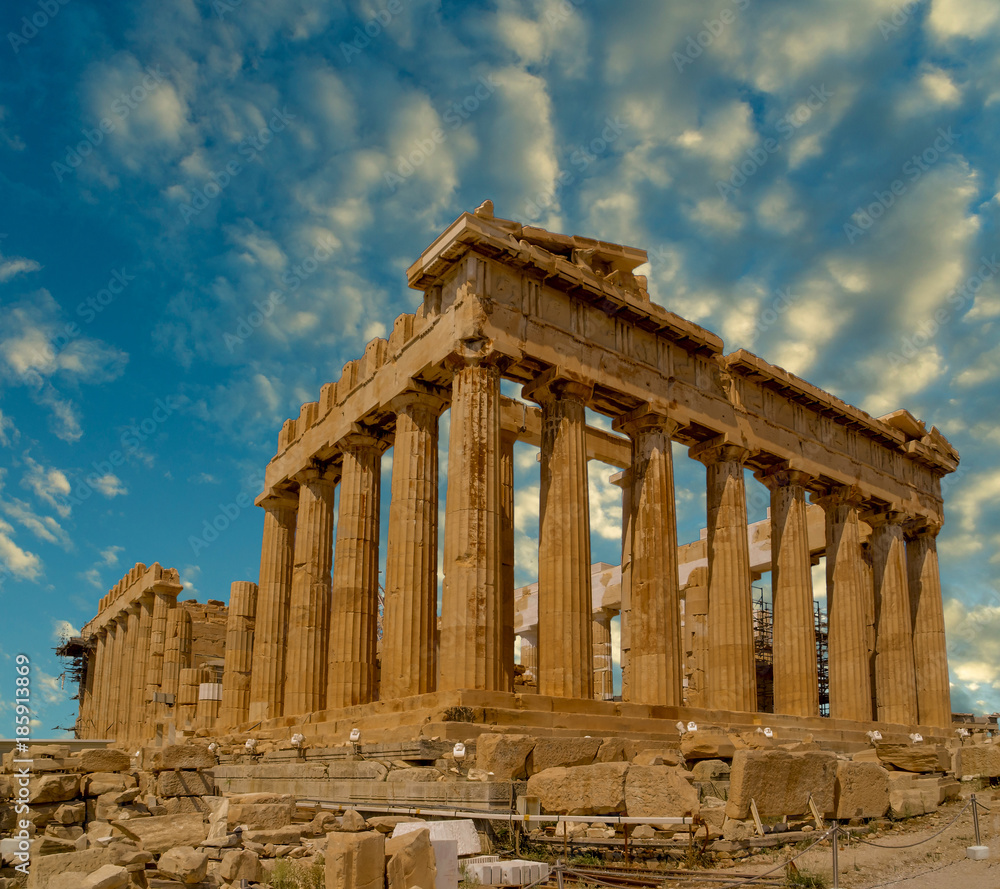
[[731, 678], [565, 632], [849, 599], [277, 553], [354, 618], [130, 666], [696, 630], [139, 707], [163, 602], [88, 694], [930, 652], [529, 655], [240, 622], [471, 650], [656, 652], [796, 676], [604, 689], [409, 623], [309, 603], [507, 555], [895, 682], [106, 715], [187, 697], [623, 480], [177, 657]]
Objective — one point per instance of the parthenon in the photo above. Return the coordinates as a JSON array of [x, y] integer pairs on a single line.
[[567, 319]]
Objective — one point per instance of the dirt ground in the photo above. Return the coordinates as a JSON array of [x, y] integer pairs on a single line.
[[938, 861]]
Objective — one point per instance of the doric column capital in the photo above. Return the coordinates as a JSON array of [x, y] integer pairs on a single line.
[[557, 383], [879, 517], [839, 495], [317, 475], [645, 418], [278, 498], [719, 450], [782, 475], [362, 438], [923, 526], [417, 399]]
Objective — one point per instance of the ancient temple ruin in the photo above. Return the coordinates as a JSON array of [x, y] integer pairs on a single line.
[[567, 319]]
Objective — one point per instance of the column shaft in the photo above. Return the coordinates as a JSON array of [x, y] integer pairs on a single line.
[[796, 676], [88, 694], [235, 708], [162, 604], [177, 656], [656, 649], [409, 624], [309, 605], [471, 653], [130, 667], [930, 652], [354, 620], [604, 689], [696, 630], [108, 663], [848, 602], [624, 481], [507, 556], [895, 683], [277, 553], [731, 678]]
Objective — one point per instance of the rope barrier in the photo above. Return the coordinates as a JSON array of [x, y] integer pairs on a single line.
[[778, 867], [921, 842]]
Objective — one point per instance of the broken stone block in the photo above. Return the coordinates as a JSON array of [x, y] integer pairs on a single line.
[[861, 791], [611, 750], [107, 782], [353, 822], [597, 789], [178, 756], [659, 790], [162, 832], [919, 758], [978, 761], [53, 788], [411, 860], [707, 744], [552, 753], [417, 773], [710, 770], [462, 831], [184, 863], [780, 782], [504, 755], [240, 864], [111, 876], [262, 816], [184, 783], [355, 860], [109, 760]]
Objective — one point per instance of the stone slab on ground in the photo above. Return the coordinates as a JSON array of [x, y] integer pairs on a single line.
[[597, 789], [186, 782], [659, 790], [104, 760], [504, 755], [184, 863], [177, 756], [162, 832], [861, 791], [780, 782], [463, 831], [708, 744], [355, 860], [916, 758], [411, 860], [53, 788], [978, 761], [42, 869], [551, 753]]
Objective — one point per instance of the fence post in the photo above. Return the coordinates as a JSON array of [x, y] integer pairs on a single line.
[[977, 852], [836, 868]]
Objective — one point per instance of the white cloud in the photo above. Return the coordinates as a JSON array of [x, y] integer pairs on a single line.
[[110, 485], [19, 562], [49, 484], [899, 380], [110, 555], [8, 431], [10, 266], [963, 18], [44, 527]]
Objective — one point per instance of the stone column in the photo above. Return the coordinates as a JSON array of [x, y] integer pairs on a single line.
[[87, 694], [565, 632], [163, 603], [277, 551], [235, 708], [507, 554], [140, 711], [731, 678], [309, 604], [604, 689], [930, 653], [895, 682], [409, 623], [796, 675], [106, 715], [529, 655], [471, 650], [623, 480], [187, 698], [177, 656], [696, 630], [354, 618], [656, 649], [848, 602], [130, 664]]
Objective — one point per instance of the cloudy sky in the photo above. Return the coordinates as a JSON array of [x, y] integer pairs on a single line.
[[207, 208]]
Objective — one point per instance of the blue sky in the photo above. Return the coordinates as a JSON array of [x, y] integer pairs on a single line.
[[207, 208]]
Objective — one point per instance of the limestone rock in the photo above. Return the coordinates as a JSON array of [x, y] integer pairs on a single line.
[[919, 758], [387, 823], [53, 788], [184, 863], [659, 790], [910, 795], [611, 750], [707, 744], [710, 770], [70, 813], [420, 774], [861, 791], [111, 876], [261, 816], [658, 757], [184, 783], [643, 832], [69, 880], [160, 833], [780, 782], [180, 756], [585, 790], [353, 822], [42, 869], [504, 755], [411, 860], [552, 753], [978, 761], [240, 864], [106, 782], [104, 760], [355, 860], [736, 831], [290, 835]]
